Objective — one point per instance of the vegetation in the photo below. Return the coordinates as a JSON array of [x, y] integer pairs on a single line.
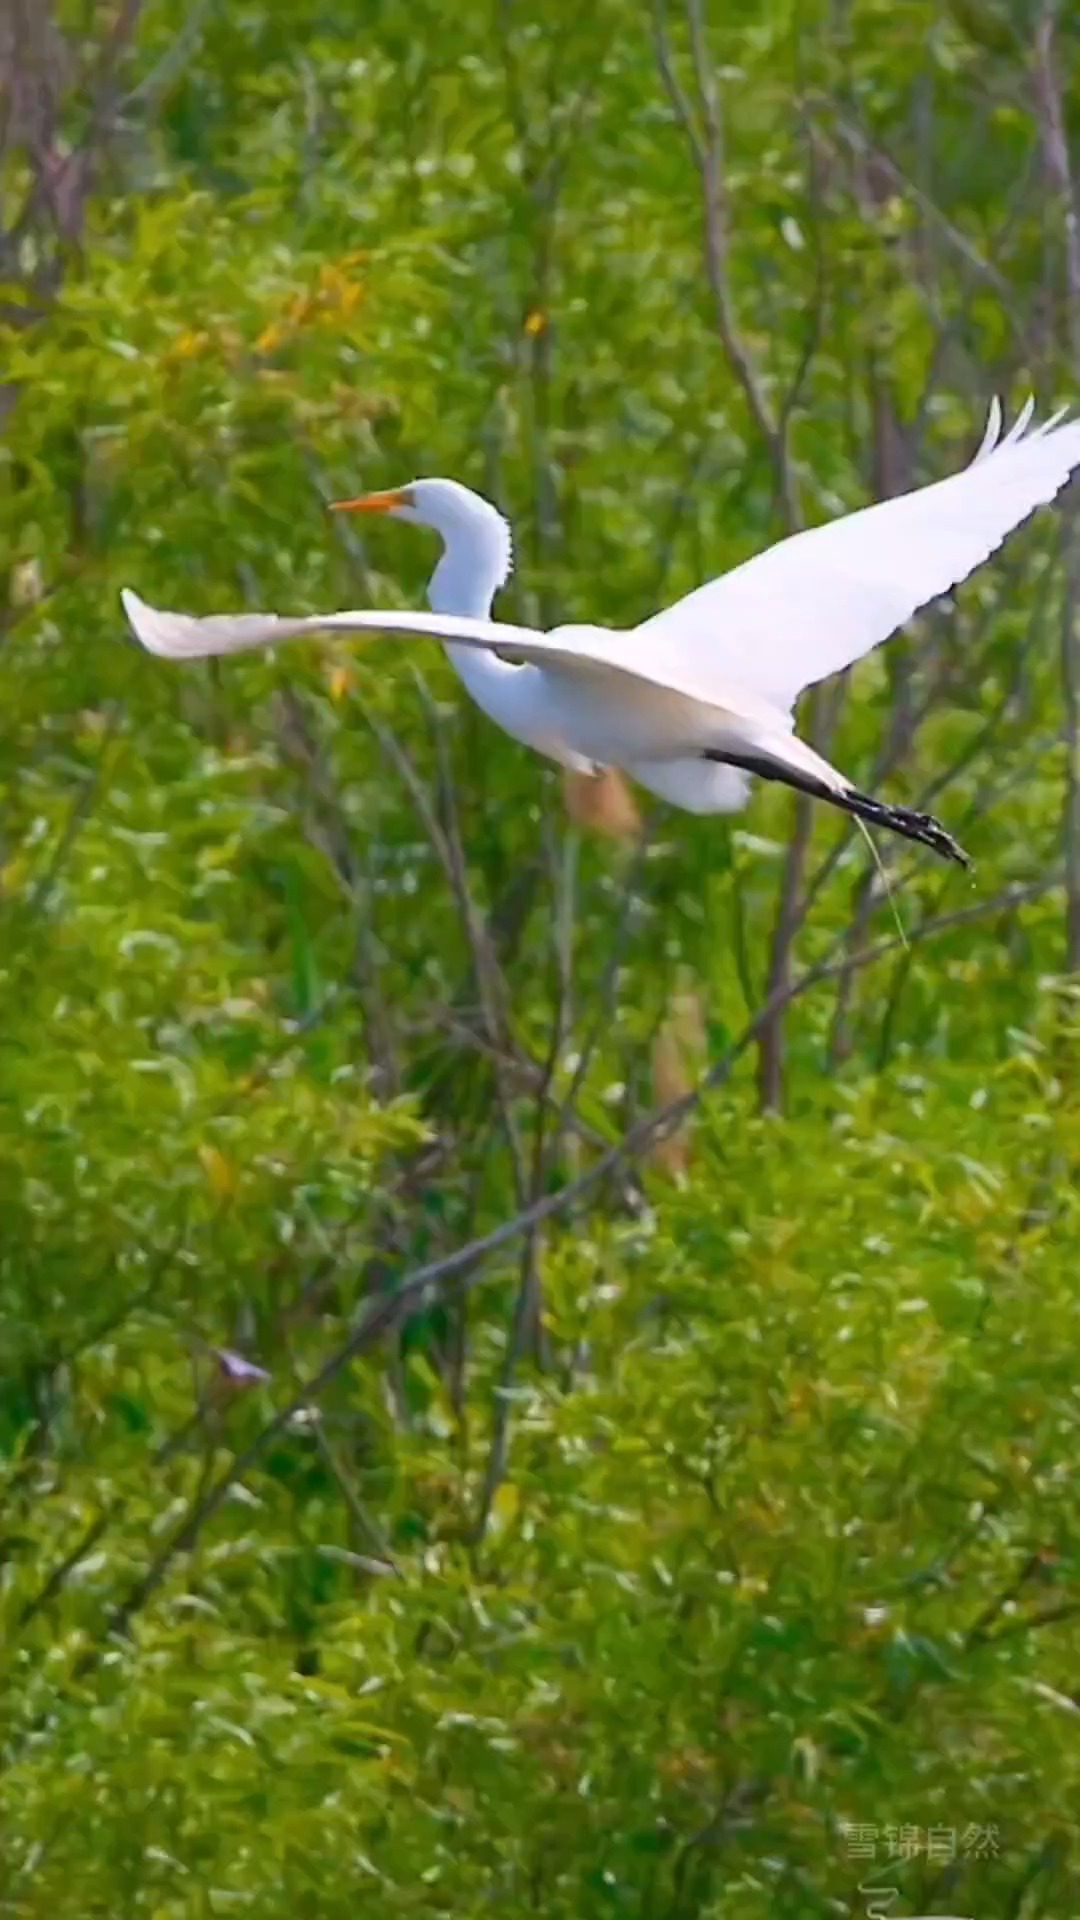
[[538, 1341]]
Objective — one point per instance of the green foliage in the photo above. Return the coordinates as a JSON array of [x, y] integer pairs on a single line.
[[786, 1535]]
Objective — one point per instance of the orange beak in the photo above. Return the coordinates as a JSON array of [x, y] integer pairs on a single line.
[[374, 502]]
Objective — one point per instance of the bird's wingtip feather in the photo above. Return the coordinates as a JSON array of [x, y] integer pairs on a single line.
[[991, 431], [994, 440], [146, 623], [1021, 424], [134, 609]]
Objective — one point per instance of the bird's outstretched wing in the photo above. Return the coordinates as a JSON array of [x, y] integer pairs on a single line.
[[185, 636], [573, 651], [818, 601]]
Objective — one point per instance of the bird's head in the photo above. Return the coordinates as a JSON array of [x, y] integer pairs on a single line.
[[463, 518]]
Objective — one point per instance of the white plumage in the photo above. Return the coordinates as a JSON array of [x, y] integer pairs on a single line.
[[700, 695]]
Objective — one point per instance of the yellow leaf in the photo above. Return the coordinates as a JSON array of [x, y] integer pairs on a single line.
[[220, 1172], [13, 875], [187, 345], [505, 1505], [535, 322]]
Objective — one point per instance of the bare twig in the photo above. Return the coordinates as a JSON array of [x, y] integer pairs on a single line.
[[703, 126], [704, 131], [326, 824], [608, 988], [174, 59], [962, 246], [1054, 143], [980, 1628], [526, 1325], [62, 1572], [990, 791], [81, 809], [367, 1527]]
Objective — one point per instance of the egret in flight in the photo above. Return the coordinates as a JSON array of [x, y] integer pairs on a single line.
[[700, 696]]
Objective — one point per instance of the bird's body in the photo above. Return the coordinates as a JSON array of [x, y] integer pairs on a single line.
[[700, 697], [571, 716]]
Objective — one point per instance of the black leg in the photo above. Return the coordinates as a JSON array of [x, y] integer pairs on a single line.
[[921, 827]]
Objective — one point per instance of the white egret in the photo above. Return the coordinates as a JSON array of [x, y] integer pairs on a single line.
[[700, 696]]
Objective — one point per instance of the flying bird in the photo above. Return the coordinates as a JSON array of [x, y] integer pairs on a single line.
[[700, 696]]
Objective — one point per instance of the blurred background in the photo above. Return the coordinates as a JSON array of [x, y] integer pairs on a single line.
[[709, 1546]]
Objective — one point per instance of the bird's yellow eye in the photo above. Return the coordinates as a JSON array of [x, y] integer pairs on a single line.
[[374, 502]]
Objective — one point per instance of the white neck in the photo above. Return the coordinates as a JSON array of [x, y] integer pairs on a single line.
[[474, 564], [476, 558]]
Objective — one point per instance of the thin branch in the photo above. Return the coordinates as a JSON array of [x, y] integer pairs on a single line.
[[815, 318], [62, 1572], [980, 1628], [326, 824], [704, 132], [526, 1324], [991, 791], [1055, 154], [173, 61], [605, 1006], [860, 143], [1050, 113], [80, 812], [490, 981], [362, 1519]]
